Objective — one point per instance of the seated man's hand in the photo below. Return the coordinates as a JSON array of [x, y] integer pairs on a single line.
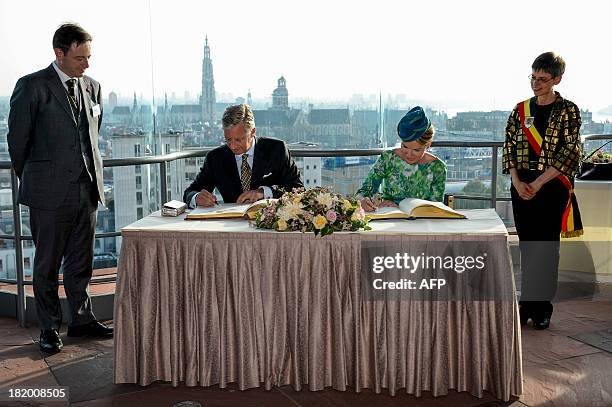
[[367, 204], [250, 196], [206, 199]]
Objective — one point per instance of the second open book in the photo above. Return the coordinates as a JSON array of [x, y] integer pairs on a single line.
[[413, 208]]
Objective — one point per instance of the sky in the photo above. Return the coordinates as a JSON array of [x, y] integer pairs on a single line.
[[453, 55]]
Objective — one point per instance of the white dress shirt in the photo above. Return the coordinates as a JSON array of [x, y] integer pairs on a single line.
[[63, 77], [267, 191]]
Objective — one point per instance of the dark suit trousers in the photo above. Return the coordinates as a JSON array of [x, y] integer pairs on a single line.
[[65, 234]]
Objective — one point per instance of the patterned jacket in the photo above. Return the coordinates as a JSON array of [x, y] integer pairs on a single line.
[[561, 146]]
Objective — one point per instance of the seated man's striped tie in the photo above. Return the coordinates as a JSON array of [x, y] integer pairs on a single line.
[[245, 173]]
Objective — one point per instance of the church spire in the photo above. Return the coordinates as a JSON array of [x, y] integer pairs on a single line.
[[207, 100]]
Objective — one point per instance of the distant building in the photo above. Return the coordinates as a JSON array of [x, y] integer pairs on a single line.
[[287, 125], [280, 96], [208, 88], [310, 167], [391, 118], [181, 115], [162, 116], [119, 116], [346, 174], [588, 125], [136, 187], [331, 127], [490, 125], [112, 101], [586, 116], [7, 246], [4, 155], [365, 128], [131, 183], [280, 121], [143, 118]]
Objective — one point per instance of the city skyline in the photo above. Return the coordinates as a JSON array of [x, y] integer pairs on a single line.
[[470, 56]]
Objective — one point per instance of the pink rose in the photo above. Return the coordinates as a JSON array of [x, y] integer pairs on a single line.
[[331, 216]]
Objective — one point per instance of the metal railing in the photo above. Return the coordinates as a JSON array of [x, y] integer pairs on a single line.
[[163, 160]]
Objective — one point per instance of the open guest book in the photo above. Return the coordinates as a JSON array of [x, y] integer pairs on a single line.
[[228, 211], [413, 208]]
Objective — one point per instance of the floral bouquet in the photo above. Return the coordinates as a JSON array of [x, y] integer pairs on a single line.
[[315, 210], [597, 166], [599, 156]]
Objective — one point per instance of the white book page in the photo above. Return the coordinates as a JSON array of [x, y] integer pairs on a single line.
[[408, 204], [221, 209]]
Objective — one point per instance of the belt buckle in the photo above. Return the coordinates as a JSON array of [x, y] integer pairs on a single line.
[[533, 165]]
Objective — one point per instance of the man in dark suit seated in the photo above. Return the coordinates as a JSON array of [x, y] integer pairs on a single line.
[[246, 168]]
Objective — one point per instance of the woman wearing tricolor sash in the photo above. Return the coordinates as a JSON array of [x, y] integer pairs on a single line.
[[541, 154]]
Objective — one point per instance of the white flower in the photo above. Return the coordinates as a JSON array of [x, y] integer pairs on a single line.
[[290, 210], [358, 215], [326, 199]]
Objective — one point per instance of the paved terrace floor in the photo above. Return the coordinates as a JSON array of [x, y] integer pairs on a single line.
[[559, 370]]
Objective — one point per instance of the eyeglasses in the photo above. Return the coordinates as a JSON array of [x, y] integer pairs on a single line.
[[540, 81]]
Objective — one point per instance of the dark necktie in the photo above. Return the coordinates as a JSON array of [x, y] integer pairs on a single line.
[[245, 173], [71, 83]]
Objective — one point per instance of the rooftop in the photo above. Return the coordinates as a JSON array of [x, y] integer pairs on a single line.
[[559, 369]]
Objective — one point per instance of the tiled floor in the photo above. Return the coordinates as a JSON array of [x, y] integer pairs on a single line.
[[558, 371]]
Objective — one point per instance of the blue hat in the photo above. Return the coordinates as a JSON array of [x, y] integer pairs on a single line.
[[413, 125]]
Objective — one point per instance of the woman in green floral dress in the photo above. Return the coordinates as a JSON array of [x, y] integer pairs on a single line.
[[407, 171]]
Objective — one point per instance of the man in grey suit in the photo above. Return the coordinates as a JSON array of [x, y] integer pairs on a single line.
[[54, 119]]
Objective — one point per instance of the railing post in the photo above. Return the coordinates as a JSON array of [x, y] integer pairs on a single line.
[[21, 300], [163, 183], [494, 178]]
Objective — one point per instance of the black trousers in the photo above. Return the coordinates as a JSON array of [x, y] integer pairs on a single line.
[[538, 224], [65, 237]]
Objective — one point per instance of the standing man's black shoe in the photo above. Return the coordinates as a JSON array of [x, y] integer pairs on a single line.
[[94, 328], [543, 323], [524, 312], [541, 319], [50, 341]]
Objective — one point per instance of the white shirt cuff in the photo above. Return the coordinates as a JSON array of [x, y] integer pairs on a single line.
[[192, 203], [267, 192]]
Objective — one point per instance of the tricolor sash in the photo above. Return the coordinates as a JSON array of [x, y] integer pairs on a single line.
[[571, 223]]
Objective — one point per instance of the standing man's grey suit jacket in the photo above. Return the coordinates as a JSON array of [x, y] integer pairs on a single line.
[[43, 137]]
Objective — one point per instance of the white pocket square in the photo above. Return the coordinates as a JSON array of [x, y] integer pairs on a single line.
[[267, 175]]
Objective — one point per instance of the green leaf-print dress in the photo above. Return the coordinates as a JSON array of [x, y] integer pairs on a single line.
[[402, 180]]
